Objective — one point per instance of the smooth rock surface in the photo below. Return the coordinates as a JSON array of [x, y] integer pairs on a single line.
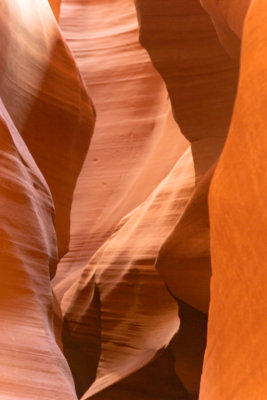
[[235, 360], [42, 90], [44, 102], [131, 296], [201, 80], [200, 77], [136, 142], [32, 365], [136, 315]]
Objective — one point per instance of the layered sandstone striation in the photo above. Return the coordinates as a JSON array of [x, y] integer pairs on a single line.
[[31, 360], [46, 99], [136, 314], [201, 79], [45, 115], [135, 142], [107, 245]]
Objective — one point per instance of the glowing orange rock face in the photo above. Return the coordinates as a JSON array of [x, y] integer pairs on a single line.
[[235, 362], [55, 6]]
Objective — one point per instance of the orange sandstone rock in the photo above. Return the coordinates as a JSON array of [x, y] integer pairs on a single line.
[[31, 363], [140, 199], [229, 12], [200, 77], [136, 142], [136, 315], [55, 5], [235, 360], [201, 80], [45, 97], [44, 102]]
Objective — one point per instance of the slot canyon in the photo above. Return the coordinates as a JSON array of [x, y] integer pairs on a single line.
[[132, 212]]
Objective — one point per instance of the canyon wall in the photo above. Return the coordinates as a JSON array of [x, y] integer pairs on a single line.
[[109, 236], [235, 357], [45, 114]]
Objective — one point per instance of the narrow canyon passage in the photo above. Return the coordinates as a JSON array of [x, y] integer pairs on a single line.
[[132, 218]]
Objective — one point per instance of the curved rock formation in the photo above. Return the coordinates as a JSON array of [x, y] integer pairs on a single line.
[[44, 102], [135, 143], [46, 99], [124, 228], [137, 316], [201, 80], [228, 18], [230, 13], [32, 365]]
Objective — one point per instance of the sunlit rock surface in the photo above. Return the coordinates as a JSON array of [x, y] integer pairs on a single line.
[[107, 245], [44, 95], [136, 142], [235, 361]]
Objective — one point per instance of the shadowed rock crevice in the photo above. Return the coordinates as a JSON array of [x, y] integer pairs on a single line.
[[82, 352]]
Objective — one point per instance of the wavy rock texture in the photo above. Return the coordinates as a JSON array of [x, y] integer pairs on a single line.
[[138, 316], [125, 162], [142, 236], [46, 99], [201, 80], [181, 34], [32, 365], [136, 143], [44, 102]]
